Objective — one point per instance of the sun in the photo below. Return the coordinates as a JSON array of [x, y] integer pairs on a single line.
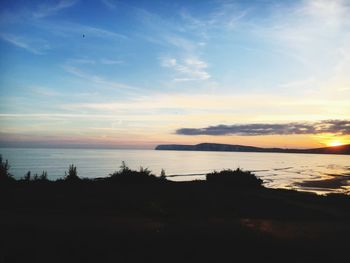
[[335, 143]]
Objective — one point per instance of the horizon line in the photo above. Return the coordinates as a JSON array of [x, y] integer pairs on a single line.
[[133, 147]]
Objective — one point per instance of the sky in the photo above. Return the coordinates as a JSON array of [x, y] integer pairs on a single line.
[[134, 74]]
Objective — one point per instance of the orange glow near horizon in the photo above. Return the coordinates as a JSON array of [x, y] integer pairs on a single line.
[[335, 143], [333, 140], [149, 138]]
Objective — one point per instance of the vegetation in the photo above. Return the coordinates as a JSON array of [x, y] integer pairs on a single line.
[[36, 178], [27, 177], [5, 175], [43, 176], [162, 174], [72, 175], [124, 175], [237, 178], [127, 175]]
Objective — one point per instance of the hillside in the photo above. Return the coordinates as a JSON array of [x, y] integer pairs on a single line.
[[343, 149]]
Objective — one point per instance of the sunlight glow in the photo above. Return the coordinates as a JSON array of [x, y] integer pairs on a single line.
[[335, 143]]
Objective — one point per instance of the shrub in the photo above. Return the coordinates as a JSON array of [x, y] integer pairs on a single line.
[[124, 168], [36, 177], [145, 171], [236, 177], [162, 174], [72, 174], [5, 176], [27, 177], [43, 176], [127, 175]]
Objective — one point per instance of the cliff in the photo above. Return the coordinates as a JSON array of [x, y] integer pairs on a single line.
[[343, 149]]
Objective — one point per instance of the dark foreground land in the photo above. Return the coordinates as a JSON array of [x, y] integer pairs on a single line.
[[161, 221]]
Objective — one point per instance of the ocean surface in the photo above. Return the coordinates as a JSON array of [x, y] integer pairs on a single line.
[[306, 172]]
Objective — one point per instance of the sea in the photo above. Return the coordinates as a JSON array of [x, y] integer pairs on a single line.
[[277, 170]]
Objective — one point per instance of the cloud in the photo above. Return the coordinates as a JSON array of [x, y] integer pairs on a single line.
[[43, 91], [97, 32], [81, 61], [297, 29], [69, 28], [165, 32], [55, 116], [87, 61], [35, 46], [188, 69], [97, 79], [110, 61], [111, 4], [227, 15], [328, 126], [45, 10], [174, 36], [181, 43]]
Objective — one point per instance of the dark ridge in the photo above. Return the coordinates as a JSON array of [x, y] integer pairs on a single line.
[[342, 149]]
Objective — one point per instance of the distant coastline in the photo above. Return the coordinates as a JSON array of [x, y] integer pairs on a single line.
[[343, 149]]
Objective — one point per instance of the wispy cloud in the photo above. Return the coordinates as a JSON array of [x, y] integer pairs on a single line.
[[188, 69], [35, 46], [307, 27], [53, 7], [165, 32], [181, 42], [174, 36], [227, 15], [87, 61], [97, 32], [110, 61], [203, 109], [81, 61], [96, 79], [111, 4], [44, 91], [341, 127], [55, 115], [69, 28]]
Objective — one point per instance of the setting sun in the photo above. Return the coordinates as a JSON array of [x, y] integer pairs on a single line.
[[335, 143]]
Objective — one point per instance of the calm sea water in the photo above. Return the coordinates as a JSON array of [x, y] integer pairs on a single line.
[[276, 169]]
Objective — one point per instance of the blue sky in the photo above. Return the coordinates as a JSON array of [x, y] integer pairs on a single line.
[[131, 73]]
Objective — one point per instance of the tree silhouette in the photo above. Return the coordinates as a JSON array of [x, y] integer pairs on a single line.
[[36, 177], [5, 176], [27, 177], [124, 168], [72, 174], [43, 176]]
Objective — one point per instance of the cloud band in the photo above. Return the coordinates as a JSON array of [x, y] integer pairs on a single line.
[[327, 126]]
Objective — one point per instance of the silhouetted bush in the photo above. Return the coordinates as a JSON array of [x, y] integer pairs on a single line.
[[72, 175], [236, 177], [27, 177], [162, 174], [36, 178], [5, 176], [126, 175], [43, 176]]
